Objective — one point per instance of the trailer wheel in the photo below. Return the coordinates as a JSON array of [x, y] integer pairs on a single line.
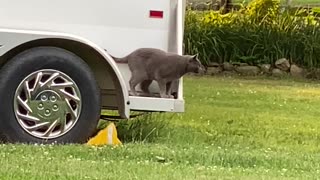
[[48, 95]]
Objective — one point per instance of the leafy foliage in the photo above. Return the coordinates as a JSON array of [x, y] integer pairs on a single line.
[[260, 32]]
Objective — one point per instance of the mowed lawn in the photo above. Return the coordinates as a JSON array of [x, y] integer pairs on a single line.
[[233, 128]]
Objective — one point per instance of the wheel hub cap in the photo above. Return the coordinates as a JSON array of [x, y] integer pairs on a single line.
[[47, 104]]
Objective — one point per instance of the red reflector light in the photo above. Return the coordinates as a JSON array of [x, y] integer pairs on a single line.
[[156, 14]]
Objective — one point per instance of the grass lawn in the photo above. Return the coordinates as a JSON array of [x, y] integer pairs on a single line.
[[233, 128]]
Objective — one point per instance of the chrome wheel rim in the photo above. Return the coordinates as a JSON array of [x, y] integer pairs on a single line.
[[47, 104]]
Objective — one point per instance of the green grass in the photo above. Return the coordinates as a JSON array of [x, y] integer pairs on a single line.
[[233, 128]]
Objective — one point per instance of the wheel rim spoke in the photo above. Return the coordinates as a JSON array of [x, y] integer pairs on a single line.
[[62, 85], [37, 82], [50, 107], [63, 125], [70, 96], [72, 112], [27, 89], [27, 117], [51, 128], [24, 104], [37, 126], [49, 81]]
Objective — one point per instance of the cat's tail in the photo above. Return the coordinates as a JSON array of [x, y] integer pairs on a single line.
[[119, 60]]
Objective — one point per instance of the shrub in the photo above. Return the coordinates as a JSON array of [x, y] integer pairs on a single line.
[[258, 33]]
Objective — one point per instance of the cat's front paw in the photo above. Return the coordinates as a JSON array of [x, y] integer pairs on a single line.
[[171, 96], [168, 96]]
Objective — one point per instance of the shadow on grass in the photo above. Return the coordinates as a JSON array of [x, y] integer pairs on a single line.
[[145, 128]]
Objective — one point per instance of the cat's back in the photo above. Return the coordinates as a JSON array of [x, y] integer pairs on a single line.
[[146, 58], [148, 53]]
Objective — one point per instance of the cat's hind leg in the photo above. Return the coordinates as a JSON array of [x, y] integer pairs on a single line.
[[145, 87], [135, 79], [133, 83]]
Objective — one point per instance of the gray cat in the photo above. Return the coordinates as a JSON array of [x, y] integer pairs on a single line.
[[148, 64]]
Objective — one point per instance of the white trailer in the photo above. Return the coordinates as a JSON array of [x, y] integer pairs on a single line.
[[56, 73]]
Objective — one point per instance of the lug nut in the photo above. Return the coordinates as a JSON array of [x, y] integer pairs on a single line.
[[40, 106], [53, 98], [44, 98], [47, 112], [55, 107]]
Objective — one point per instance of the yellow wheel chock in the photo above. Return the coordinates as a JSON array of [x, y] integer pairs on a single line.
[[106, 136]]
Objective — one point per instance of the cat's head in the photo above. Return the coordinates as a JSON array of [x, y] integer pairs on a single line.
[[194, 64]]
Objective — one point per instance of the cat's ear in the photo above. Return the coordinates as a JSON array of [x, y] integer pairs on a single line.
[[192, 58], [195, 56]]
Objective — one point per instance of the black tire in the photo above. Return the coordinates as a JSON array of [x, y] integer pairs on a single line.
[[35, 59]]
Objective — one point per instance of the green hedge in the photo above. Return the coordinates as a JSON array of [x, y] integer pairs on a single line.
[[258, 33]]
